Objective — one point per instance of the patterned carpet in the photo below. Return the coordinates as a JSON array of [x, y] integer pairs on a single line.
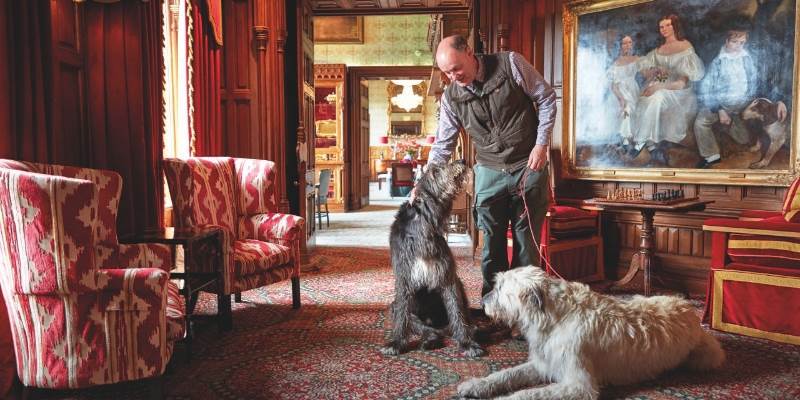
[[329, 348]]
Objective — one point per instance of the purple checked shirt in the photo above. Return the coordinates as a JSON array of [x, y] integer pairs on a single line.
[[531, 82]]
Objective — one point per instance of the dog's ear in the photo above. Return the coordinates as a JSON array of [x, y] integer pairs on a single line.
[[533, 296]]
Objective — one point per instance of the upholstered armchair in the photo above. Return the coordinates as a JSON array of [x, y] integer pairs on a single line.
[[261, 245], [754, 284], [84, 310]]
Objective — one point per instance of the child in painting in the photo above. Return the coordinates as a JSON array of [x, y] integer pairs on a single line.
[[729, 86], [667, 104], [622, 79]]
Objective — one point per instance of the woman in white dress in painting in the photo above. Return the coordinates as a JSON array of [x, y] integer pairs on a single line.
[[667, 105], [622, 79]]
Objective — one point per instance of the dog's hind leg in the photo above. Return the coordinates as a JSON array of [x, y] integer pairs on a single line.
[[432, 338], [455, 303], [401, 313], [774, 146], [503, 381]]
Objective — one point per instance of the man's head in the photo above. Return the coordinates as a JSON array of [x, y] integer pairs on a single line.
[[456, 60], [735, 41]]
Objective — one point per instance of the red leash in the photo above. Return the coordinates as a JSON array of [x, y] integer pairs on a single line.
[[526, 213]]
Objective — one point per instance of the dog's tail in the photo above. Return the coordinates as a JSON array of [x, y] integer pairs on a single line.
[[707, 355]]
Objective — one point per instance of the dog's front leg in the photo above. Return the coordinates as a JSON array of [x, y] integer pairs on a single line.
[[578, 387], [401, 312], [503, 381], [455, 302], [774, 146]]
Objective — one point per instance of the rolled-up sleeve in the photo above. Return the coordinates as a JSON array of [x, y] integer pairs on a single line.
[[446, 133], [539, 91]]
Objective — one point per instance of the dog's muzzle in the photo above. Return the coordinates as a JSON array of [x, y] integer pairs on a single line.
[[488, 298]]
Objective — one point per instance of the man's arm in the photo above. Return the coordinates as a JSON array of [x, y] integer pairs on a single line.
[[446, 133], [544, 99]]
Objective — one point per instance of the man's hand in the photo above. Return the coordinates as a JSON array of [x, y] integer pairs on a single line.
[[538, 157], [724, 118]]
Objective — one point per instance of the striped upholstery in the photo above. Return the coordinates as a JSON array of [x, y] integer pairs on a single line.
[[74, 323], [238, 194], [791, 204], [569, 222]]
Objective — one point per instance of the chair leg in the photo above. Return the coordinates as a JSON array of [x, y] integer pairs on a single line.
[[238, 297], [319, 215], [295, 293], [327, 216]]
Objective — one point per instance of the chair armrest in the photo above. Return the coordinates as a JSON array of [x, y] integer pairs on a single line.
[[135, 255], [134, 289], [781, 229], [756, 215], [272, 227]]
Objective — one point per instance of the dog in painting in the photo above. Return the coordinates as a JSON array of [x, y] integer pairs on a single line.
[[764, 115], [580, 340]]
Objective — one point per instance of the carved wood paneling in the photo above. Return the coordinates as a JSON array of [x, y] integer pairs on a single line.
[[239, 94], [366, 7]]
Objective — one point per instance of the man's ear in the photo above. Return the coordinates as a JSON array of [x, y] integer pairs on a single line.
[[534, 297]]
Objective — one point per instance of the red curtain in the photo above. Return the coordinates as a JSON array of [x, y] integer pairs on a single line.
[[125, 83], [206, 81]]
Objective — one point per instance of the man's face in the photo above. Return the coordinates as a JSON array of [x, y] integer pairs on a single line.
[[460, 67], [735, 44]]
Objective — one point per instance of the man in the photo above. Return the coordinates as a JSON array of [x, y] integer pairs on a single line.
[[508, 109], [727, 89]]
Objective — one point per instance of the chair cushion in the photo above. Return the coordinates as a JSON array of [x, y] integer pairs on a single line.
[[770, 251], [791, 204], [252, 256], [176, 312], [567, 222]]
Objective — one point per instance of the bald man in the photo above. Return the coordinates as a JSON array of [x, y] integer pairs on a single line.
[[508, 110]]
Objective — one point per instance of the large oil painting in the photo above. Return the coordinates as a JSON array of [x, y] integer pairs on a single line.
[[681, 90]]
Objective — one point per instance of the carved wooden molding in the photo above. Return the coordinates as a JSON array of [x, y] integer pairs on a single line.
[[281, 40], [329, 71], [261, 37], [502, 36]]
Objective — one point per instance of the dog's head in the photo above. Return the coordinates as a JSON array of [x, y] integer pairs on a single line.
[[517, 294], [761, 110], [442, 181]]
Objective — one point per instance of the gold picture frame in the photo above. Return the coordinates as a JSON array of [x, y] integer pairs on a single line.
[[593, 33], [342, 29]]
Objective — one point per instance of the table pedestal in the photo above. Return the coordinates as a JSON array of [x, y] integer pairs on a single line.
[[643, 260]]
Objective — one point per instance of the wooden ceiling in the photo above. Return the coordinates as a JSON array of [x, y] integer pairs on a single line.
[[372, 7]]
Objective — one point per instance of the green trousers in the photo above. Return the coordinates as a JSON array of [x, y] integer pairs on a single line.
[[497, 204]]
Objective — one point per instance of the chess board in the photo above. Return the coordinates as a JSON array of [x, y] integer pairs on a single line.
[[601, 200]]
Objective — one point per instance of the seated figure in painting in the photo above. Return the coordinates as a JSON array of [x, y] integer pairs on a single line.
[[622, 80], [667, 104], [729, 86]]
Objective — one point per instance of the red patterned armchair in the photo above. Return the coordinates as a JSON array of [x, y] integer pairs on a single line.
[[84, 310], [261, 245], [754, 285]]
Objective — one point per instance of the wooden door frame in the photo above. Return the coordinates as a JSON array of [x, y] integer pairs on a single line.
[[352, 119]]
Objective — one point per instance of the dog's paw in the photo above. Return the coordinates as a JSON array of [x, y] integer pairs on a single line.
[[474, 388], [472, 350], [432, 343], [393, 348]]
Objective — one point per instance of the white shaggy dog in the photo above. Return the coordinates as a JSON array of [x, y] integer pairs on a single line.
[[580, 340]]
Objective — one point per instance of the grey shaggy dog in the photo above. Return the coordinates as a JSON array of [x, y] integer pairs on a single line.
[[429, 298]]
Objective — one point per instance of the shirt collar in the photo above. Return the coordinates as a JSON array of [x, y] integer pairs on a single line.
[[725, 54]]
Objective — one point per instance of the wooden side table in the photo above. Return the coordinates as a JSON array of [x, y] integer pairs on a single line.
[[199, 245], [644, 259]]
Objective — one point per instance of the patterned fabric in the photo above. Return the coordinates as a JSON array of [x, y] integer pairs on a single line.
[[198, 187], [256, 182], [75, 325], [791, 204], [252, 256], [176, 309], [568, 222]]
